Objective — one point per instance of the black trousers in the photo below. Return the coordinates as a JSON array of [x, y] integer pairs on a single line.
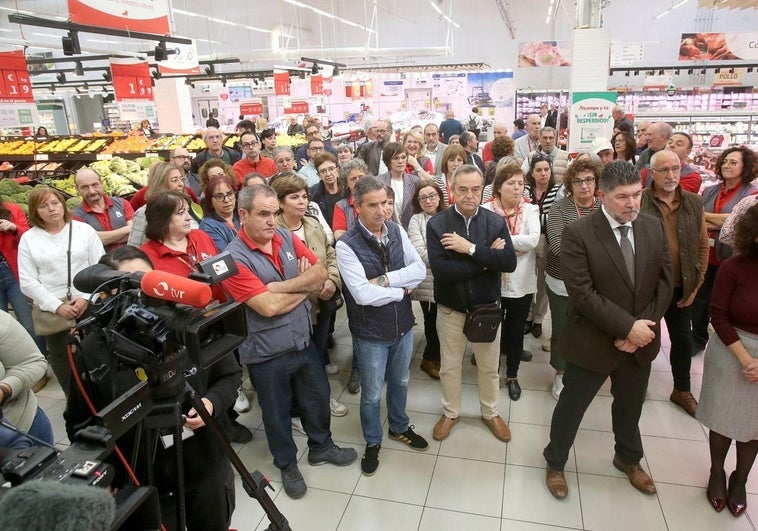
[[432, 349], [700, 309], [678, 324], [628, 387], [515, 313]]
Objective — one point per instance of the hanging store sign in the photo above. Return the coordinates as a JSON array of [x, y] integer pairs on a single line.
[[729, 77], [317, 85], [147, 17], [17, 107], [282, 83], [182, 61], [627, 54], [544, 54], [718, 46], [249, 108], [297, 107], [131, 80], [591, 117]]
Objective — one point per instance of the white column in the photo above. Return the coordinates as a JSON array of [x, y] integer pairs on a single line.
[[173, 106], [591, 60]]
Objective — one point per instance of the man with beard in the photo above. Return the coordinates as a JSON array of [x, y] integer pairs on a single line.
[[111, 217], [371, 152], [182, 158], [434, 147], [617, 271]]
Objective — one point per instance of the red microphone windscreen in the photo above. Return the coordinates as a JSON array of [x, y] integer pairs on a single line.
[[174, 288]]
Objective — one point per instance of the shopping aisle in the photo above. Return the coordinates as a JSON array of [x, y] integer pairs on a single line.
[[471, 481]]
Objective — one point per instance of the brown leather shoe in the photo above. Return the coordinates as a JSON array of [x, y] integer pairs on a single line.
[[498, 427], [443, 427], [431, 368], [685, 400], [637, 477], [556, 483]]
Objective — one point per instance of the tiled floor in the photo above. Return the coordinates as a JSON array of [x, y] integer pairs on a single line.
[[471, 481]]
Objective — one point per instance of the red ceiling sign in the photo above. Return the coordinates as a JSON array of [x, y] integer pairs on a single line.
[[247, 109], [131, 80], [317, 84], [16, 87], [297, 107], [282, 83], [147, 17]]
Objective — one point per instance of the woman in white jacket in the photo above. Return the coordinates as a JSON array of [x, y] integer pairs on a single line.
[[518, 287], [427, 202]]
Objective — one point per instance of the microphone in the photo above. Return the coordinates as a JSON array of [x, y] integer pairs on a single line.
[[174, 288]]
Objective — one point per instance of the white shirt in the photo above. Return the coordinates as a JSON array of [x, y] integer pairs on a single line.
[[367, 294], [310, 174], [397, 187], [43, 265]]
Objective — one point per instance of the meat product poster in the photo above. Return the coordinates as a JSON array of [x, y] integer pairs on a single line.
[[544, 54], [718, 46]]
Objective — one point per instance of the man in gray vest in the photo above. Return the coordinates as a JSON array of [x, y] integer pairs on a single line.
[[111, 217], [379, 268], [276, 274]]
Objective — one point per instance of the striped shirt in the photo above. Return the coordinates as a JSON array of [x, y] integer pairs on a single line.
[[562, 214], [553, 195]]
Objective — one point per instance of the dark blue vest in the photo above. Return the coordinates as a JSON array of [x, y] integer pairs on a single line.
[[269, 337], [393, 320]]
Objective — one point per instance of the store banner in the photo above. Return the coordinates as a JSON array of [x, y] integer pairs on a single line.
[[297, 107], [282, 83], [17, 107], [544, 53], [729, 77], [358, 89], [718, 46], [252, 107], [182, 62], [150, 16], [590, 118], [317, 85], [493, 92], [131, 80]]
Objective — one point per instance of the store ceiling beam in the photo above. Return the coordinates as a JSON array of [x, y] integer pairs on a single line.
[[417, 68], [28, 20], [502, 8], [42, 61], [681, 67]]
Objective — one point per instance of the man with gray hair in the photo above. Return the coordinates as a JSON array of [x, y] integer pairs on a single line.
[[214, 139], [434, 147], [469, 249], [110, 216], [371, 152], [642, 128], [277, 272], [379, 268], [617, 271], [619, 117], [558, 157], [658, 136], [530, 141]]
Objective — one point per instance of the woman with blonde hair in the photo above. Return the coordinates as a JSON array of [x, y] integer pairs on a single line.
[[418, 163]]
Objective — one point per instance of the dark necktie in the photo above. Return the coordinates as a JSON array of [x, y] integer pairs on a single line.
[[626, 251]]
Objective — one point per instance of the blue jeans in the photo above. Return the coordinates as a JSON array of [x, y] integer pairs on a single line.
[[297, 376], [380, 359], [10, 293], [41, 427]]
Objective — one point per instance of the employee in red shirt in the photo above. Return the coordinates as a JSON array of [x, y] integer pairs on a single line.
[[111, 217], [252, 162]]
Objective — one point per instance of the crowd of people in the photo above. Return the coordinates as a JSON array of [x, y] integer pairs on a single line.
[[611, 243]]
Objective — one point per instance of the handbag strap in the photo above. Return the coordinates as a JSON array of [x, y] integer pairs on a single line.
[[68, 259]]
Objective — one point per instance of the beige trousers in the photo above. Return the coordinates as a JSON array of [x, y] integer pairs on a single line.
[[452, 348]]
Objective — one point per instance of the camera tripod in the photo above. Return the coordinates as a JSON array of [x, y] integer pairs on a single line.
[[168, 414]]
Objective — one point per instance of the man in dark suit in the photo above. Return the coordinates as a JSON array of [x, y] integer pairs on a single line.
[[620, 284], [552, 117]]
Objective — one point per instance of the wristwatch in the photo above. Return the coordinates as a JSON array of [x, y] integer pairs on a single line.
[[382, 281], [472, 249]]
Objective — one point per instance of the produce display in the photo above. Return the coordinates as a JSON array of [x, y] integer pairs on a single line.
[[170, 142], [130, 144], [12, 192], [19, 147], [196, 144], [290, 140], [231, 140]]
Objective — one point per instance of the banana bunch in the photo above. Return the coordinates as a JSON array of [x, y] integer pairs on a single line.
[[291, 141], [60, 145], [196, 144], [19, 147]]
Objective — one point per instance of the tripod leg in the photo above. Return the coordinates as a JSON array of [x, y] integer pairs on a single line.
[[255, 484]]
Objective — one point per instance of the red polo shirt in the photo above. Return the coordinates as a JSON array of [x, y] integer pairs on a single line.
[[199, 247], [138, 199], [264, 166], [103, 217], [339, 219], [246, 284]]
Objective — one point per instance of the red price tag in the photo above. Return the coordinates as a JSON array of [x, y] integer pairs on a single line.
[[132, 81], [16, 85]]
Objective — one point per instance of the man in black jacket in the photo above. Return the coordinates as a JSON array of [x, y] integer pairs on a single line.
[[469, 249], [214, 139]]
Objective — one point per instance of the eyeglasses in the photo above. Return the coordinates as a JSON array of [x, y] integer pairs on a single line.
[[672, 169], [428, 197], [316, 148], [182, 157], [579, 182], [383, 131], [228, 196], [326, 171], [176, 180], [731, 162], [249, 145]]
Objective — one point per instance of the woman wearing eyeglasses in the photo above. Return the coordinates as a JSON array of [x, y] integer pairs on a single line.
[[736, 167], [327, 192], [395, 157], [580, 181], [418, 163], [427, 201], [543, 191], [220, 221]]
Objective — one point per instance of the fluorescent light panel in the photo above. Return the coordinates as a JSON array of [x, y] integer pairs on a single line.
[[329, 15], [443, 15]]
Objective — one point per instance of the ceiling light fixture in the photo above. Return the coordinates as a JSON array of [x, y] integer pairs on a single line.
[[70, 43], [329, 15], [79, 70], [673, 6], [161, 53], [443, 15], [314, 69]]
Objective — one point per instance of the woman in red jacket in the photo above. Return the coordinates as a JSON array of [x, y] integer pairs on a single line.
[[12, 225]]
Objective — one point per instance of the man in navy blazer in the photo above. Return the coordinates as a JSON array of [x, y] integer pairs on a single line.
[[618, 275]]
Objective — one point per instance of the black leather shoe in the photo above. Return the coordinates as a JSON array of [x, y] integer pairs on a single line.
[[514, 389], [526, 355], [537, 329], [527, 327]]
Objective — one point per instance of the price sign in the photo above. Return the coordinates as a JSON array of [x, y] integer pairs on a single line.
[[131, 80], [16, 87], [250, 108]]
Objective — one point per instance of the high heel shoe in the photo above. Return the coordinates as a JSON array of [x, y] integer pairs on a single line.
[[736, 507], [718, 503]]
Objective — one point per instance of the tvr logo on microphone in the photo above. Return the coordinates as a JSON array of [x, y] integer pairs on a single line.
[[162, 289]]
